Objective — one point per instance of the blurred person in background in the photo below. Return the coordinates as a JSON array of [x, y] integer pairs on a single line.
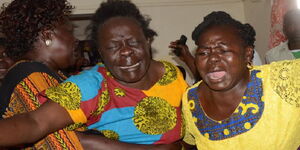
[[290, 49]]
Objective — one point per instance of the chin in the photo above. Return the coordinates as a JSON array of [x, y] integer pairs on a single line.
[[128, 81], [134, 77], [131, 76], [218, 86], [131, 80]]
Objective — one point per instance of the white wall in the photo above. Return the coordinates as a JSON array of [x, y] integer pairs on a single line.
[[5, 1], [258, 14]]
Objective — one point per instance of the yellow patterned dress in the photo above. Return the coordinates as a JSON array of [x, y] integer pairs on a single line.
[[268, 117], [126, 114], [36, 78]]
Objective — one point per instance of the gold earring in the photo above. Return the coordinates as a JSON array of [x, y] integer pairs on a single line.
[[249, 65], [48, 42]]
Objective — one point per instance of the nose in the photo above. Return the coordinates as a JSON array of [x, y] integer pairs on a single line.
[[126, 50], [214, 57]]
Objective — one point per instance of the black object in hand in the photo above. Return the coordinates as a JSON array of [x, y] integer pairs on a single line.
[[182, 41]]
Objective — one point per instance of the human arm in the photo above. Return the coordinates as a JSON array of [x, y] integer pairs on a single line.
[[37, 122], [30, 78], [30, 127], [98, 142], [188, 146], [185, 56]]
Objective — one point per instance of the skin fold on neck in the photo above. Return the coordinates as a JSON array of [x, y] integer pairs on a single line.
[[220, 105]]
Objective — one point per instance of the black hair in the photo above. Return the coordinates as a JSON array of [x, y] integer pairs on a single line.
[[216, 18], [118, 8], [22, 21]]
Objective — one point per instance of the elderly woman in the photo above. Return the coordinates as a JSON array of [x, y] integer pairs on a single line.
[[40, 40], [237, 106], [129, 98]]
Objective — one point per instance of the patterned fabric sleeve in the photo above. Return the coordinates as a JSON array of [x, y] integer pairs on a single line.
[[23, 100], [76, 90]]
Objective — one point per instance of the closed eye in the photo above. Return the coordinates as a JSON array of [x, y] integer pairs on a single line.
[[224, 51], [113, 46], [202, 51], [133, 43]]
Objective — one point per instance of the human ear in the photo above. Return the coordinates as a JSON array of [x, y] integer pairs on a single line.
[[150, 40], [47, 37], [249, 54]]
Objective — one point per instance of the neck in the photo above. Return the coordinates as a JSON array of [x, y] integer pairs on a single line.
[[41, 59], [230, 98], [220, 105], [294, 44]]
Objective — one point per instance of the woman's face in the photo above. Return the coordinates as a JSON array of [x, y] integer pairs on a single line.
[[221, 58], [124, 49], [63, 45]]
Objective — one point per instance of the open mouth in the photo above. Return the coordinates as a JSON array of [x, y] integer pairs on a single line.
[[216, 75], [131, 66]]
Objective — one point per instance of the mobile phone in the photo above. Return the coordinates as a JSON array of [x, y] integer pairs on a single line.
[[181, 41]]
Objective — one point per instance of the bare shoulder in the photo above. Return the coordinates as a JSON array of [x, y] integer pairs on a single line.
[[157, 67]]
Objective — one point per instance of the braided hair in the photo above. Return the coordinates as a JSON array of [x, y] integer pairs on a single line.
[[245, 31]]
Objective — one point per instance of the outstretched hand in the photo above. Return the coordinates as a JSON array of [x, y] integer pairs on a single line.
[[186, 57], [184, 50]]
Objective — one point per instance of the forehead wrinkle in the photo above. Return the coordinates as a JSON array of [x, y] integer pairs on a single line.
[[125, 28], [214, 40], [121, 32]]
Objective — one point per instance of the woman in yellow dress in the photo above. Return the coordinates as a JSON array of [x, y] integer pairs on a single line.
[[237, 106]]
